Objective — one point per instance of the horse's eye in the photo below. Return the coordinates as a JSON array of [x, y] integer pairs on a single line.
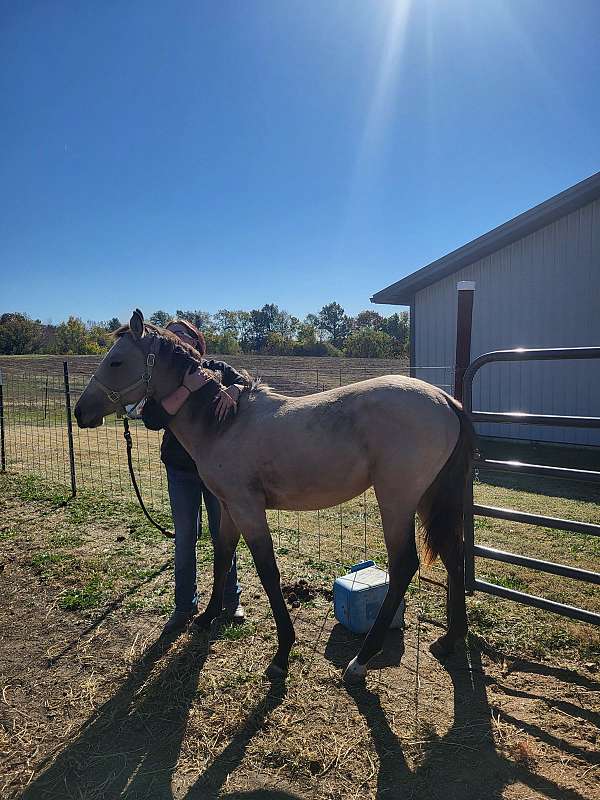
[[116, 363]]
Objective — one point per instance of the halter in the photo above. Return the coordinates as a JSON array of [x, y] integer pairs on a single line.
[[117, 396]]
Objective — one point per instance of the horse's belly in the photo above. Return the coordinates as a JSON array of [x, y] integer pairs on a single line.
[[329, 490]]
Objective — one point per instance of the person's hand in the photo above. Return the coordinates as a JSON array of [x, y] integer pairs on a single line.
[[195, 379], [224, 404]]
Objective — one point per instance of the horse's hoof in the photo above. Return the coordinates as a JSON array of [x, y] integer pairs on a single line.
[[355, 673], [201, 623], [275, 673], [442, 647]]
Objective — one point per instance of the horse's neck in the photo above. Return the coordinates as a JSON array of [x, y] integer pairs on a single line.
[[190, 432]]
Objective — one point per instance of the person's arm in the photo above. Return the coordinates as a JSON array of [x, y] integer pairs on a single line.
[[230, 375], [227, 400]]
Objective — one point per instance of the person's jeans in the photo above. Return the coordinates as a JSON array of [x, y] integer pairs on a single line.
[[185, 492]]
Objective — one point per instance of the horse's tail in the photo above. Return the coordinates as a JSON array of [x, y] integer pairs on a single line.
[[441, 508]]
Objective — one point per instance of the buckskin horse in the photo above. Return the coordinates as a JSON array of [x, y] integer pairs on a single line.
[[409, 440]]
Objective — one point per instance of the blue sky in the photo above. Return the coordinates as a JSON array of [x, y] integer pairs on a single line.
[[211, 155]]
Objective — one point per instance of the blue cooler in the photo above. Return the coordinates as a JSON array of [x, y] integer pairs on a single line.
[[357, 597]]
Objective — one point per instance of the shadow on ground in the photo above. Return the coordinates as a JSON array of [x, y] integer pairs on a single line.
[[131, 746], [463, 764]]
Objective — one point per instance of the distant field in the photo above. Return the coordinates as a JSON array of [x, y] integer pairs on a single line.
[[316, 373]]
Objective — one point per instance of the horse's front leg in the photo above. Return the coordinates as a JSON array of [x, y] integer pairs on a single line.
[[225, 546], [252, 522]]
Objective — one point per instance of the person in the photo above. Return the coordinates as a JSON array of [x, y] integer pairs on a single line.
[[186, 488]]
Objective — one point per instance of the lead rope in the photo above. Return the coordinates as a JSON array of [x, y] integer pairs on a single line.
[[127, 437], [417, 665]]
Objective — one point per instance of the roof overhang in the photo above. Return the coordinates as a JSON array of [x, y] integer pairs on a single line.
[[402, 292]]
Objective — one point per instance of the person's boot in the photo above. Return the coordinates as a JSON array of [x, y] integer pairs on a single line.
[[235, 614], [178, 622]]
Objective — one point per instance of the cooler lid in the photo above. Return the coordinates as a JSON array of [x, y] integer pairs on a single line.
[[363, 579]]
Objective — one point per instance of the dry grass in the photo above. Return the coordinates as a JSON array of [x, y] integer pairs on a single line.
[[95, 706]]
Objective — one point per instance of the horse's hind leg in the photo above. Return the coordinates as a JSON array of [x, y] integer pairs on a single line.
[[451, 554], [257, 536], [403, 562]]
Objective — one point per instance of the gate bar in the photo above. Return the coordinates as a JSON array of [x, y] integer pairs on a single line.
[[587, 475], [521, 418], [538, 602], [535, 563], [537, 519]]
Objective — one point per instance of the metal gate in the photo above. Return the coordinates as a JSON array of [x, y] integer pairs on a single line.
[[472, 583]]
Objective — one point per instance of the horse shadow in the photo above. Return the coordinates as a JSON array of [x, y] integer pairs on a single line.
[[342, 646], [464, 763], [131, 745], [129, 748]]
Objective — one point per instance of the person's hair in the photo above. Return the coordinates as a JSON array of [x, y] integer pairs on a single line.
[[192, 331]]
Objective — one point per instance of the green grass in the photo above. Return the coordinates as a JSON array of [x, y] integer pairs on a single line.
[[91, 595], [233, 632]]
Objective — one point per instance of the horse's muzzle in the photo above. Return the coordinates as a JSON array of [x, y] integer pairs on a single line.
[[82, 422]]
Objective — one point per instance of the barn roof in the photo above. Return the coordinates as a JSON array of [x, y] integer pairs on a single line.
[[402, 292]]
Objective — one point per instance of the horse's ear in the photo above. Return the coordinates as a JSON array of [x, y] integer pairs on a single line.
[[136, 324]]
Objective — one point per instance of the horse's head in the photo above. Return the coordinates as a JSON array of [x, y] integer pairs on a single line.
[[129, 372]]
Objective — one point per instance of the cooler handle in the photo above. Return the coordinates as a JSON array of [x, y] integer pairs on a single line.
[[362, 565]]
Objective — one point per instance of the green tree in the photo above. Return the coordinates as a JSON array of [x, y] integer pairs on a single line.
[[100, 334], [201, 319], [160, 318], [369, 343], [369, 319], [306, 334], [398, 327], [19, 335], [113, 324], [333, 320], [269, 319], [73, 338]]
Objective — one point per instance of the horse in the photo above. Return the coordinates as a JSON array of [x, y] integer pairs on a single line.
[[409, 440]]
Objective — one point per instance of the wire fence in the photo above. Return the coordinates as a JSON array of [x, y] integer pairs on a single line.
[[39, 440]]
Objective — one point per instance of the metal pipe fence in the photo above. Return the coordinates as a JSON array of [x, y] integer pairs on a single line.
[[39, 439], [472, 509]]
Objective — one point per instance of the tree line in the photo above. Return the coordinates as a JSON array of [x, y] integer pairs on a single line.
[[268, 330]]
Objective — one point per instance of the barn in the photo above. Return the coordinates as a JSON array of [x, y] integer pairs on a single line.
[[537, 282]]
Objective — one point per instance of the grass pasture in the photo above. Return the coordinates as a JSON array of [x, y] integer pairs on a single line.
[[94, 705]]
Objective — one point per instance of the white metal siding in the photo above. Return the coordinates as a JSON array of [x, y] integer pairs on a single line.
[[541, 291]]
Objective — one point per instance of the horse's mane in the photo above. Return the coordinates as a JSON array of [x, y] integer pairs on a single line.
[[186, 356]]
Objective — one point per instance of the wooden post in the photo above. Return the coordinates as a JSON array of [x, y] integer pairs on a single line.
[[464, 324]]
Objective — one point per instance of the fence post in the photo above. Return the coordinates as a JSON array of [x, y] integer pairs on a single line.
[[2, 444], [464, 324], [69, 428]]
